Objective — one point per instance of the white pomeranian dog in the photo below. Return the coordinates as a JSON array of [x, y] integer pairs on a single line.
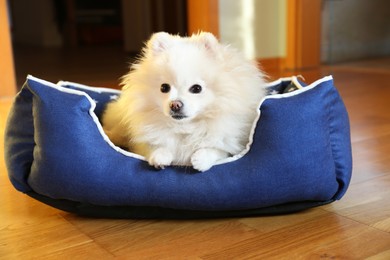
[[186, 101]]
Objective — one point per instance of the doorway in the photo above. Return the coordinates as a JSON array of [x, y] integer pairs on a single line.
[[87, 41]]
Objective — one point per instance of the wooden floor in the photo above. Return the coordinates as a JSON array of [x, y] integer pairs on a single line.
[[356, 227]]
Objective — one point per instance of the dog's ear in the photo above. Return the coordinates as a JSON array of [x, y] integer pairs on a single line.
[[159, 42], [208, 41]]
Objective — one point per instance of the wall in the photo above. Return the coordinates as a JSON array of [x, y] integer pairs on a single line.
[[355, 29], [256, 27]]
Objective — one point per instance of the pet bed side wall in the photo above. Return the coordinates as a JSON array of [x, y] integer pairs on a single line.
[[19, 139], [21, 147], [340, 140]]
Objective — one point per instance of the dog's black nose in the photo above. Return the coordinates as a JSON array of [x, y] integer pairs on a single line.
[[176, 106]]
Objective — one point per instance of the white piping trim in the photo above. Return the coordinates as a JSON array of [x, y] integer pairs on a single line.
[[59, 87], [276, 82], [301, 89], [294, 79], [94, 89]]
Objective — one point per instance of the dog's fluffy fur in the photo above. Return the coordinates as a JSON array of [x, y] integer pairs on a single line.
[[186, 101]]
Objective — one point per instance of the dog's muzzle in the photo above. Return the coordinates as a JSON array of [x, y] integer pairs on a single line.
[[176, 112]]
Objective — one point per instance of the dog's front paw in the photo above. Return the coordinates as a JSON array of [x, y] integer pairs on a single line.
[[203, 159], [160, 158]]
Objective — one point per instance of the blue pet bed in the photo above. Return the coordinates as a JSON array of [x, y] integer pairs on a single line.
[[57, 153]]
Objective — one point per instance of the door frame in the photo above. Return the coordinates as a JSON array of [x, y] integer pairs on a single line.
[[7, 79], [303, 34], [303, 46], [203, 15]]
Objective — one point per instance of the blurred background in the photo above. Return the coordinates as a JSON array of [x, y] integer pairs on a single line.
[[93, 41]]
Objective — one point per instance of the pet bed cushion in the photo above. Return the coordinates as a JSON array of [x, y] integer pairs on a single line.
[[57, 152]]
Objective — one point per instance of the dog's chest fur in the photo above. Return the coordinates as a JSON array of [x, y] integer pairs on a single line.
[[181, 138]]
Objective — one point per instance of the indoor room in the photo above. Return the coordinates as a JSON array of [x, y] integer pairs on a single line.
[[309, 180]]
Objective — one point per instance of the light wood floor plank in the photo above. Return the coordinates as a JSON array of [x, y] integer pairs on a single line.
[[328, 236], [44, 236], [146, 238], [366, 202]]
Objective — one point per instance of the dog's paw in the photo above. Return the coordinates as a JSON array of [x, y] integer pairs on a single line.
[[160, 158], [203, 159]]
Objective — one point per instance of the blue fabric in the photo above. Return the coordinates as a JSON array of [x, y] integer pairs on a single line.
[[301, 152]]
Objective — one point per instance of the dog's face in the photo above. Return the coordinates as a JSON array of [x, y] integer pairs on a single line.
[[185, 102], [184, 74]]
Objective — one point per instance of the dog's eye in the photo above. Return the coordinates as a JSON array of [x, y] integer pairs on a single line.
[[195, 89], [165, 88]]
